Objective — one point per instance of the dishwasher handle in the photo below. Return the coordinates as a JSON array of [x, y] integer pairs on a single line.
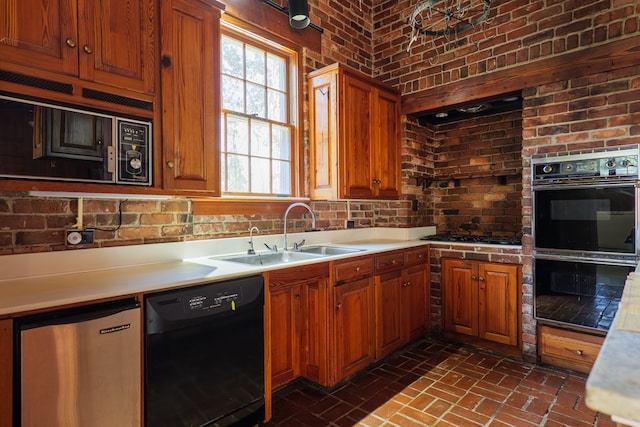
[[76, 314]]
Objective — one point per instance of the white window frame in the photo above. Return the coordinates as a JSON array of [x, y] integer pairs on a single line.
[[292, 114]]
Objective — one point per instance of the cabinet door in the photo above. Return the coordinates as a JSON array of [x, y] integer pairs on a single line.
[[40, 34], [460, 296], [190, 95], [356, 136], [498, 299], [414, 302], [287, 333], [385, 160], [315, 357], [323, 137], [116, 43], [6, 372], [389, 313], [354, 323]]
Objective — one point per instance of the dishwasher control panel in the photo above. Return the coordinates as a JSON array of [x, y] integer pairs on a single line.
[[224, 300], [187, 305]]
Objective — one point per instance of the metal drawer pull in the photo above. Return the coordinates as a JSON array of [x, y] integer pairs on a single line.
[[579, 352], [70, 42], [87, 49]]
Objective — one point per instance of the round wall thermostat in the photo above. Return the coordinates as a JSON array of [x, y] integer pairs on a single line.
[[74, 238]]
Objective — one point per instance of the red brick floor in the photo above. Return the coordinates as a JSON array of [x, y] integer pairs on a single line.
[[442, 384]]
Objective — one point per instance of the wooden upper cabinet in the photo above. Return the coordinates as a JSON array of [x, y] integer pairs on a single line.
[[108, 41], [190, 31], [354, 136]]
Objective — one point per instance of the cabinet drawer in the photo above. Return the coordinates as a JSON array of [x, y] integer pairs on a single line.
[[353, 269], [390, 261], [415, 256], [568, 349]]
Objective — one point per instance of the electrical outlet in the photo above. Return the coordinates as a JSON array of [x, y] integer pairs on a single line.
[[79, 237]]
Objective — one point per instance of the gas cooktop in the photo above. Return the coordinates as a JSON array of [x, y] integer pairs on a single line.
[[469, 238]]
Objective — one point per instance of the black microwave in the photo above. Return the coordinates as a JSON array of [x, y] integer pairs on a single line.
[[49, 142]]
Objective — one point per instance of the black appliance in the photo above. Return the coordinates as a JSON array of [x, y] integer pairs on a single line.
[[585, 235], [205, 355]]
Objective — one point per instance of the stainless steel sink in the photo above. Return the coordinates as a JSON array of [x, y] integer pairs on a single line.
[[271, 258], [329, 250], [304, 254]]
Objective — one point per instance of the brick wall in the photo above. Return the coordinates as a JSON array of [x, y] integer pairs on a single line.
[[37, 224], [516, 32], [478, 166]]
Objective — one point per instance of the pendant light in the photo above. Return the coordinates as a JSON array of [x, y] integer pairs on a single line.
[[298, 13]]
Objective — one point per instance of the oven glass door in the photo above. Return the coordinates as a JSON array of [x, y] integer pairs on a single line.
[[594, 219], [579, 293]]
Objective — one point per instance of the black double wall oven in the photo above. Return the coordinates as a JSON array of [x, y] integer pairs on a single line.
[[585, 236]]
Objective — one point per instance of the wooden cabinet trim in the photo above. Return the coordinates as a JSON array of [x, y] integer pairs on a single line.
[[6, 372]]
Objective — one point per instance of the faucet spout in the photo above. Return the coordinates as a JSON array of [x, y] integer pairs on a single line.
[[286, 213]]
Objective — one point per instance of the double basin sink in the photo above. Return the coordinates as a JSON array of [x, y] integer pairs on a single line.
[[302, 254]]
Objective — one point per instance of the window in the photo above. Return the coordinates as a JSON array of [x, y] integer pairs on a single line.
[[258, 127]]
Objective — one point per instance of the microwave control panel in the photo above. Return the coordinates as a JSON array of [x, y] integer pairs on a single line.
[[612, 164], [134, 151]]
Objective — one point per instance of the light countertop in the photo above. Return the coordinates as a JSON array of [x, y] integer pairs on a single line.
[[613, 386], [39, 281]]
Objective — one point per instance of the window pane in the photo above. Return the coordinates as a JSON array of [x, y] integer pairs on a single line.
[[237, 135], [256, 100], [256, 133], [281, 174], [255, 65], [238, 170], [260, 141], [231, 57], [276, 72], [281, 143], [277, 106], [232, 94], [260, 174]]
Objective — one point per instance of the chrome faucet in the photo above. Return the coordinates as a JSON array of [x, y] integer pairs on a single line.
[[291, 206], [251, 251]]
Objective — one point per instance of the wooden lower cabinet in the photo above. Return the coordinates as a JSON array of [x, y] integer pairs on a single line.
[[353, 327], [297, 323], [401, 308], [6, 372], [568, 349], [481, 299]]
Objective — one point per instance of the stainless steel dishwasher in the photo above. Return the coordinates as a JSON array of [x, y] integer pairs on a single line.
[[80, 367], [204, 355]]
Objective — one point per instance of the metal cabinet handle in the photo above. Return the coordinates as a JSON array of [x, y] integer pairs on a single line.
[[87, 49], [474, 277], [297, 296], [357, 268], [481, 278], [170, 164], [377, 181], [70, 42], [579, 352], [405, 284], [338, 306]]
